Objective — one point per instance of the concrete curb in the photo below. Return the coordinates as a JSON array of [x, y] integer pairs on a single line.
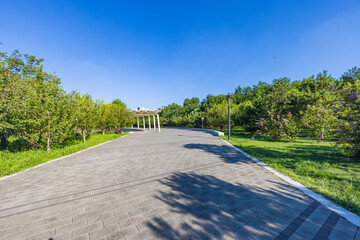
[[215, 131], [351, 217], [57, 159]]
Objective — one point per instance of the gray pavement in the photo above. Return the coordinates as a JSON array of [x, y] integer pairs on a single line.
[[177, 184]]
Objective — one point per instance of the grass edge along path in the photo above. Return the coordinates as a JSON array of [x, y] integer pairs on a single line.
[[11, 163], [323, 168]]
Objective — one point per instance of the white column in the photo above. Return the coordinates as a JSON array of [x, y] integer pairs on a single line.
[[144, 122], [149, 123], [154, 123], [158, 118], [138, 122]]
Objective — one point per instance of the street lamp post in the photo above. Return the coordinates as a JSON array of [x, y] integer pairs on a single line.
[[228, 97], [202, 122]]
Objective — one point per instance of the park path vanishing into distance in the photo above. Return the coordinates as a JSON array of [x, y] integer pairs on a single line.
[[177, 184]]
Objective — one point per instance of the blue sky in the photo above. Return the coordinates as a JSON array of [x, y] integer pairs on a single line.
[[152, 53]]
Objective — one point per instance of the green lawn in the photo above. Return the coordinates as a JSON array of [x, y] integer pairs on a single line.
[[324, 168], [13, 162]]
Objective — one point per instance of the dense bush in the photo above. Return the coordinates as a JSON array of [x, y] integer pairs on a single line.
[[291, 127], [271, 126], [319, 121], [276, 126]]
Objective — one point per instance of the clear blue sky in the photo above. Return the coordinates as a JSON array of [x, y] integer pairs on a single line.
[[152, 53]]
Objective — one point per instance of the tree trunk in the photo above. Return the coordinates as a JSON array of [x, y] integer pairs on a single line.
[[103, 132], [48, 134], [84, 136]]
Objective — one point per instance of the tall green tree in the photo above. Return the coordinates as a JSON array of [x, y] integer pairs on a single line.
[[192, 104], [351, 75], [280, 95], [123, 115], [36, 106], [87, 115], [217, 115]]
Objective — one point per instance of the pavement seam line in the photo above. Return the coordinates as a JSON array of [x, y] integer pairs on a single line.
[[351, 217]]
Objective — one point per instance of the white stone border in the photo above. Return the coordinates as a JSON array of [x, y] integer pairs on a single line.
[[215, 131], [351, 217], [57, 159]]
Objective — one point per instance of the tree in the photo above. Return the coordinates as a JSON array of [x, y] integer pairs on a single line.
[[123, 115], [217, 115], [351, 75], [280, 95], [211, 100], [291, 126], [319, 120], [171, 114], [244, 114], [348, 110], [35, 108], [191, 105], [87, 117], [7, 77], [36, 105], [105, 118], [316, 91]]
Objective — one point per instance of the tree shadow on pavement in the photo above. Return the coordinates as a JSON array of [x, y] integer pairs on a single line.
[[226, 153], [206, 207]]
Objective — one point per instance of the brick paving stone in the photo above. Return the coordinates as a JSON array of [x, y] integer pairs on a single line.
[[343, 230], [72, 226], [297, 236], [177, 184], [82, 237], [52, 225], [123, 233], [319, 216], [104, 231], [62, 236], [133, 220], [307, 229], [265, 234], [33, 236], [357, 237], [147, 234], [85, 230]]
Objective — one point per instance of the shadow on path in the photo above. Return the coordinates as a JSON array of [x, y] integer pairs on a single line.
[[226, 153], [209, 207], [208, 131]]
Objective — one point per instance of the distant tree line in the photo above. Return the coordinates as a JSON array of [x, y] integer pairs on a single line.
[[35, 109], [325, 106]]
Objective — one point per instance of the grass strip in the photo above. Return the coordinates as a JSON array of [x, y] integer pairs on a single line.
[[324, 168], [13, 162]]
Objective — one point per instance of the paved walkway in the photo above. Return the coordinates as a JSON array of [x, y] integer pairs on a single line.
[[177, 184]]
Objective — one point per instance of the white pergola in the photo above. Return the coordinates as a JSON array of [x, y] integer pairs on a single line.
[[147, 113]]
